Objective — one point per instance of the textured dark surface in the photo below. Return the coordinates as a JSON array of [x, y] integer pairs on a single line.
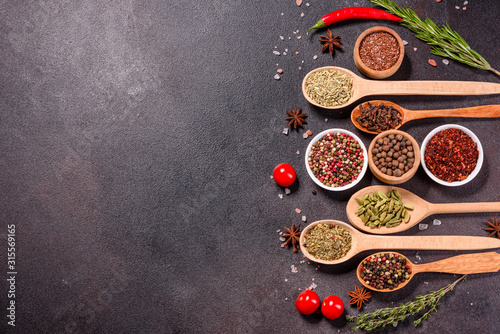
[[137, 140]]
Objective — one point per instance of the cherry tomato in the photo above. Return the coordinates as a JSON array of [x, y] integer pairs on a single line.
[[284, 175], [307, 302], [332, 307]]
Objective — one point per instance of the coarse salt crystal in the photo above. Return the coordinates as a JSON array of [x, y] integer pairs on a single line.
[[301, 14], [285, 131], [280, 196], [307, 4], [304, 218], [300, 67], [457, 7], [299, 37], [277, 77], [315, 57], [466, 3], [436, 222], [464, 8], [298, 210], [294, 269], [298, 152], [326, 119], [446, 61], [432, 62], [279, 70], [298, 2], [276, 52], [309, 132], [282, 239], [282, 38], [405, 42], [284, 53], [395, 324], [422, 227], [415, 49], [287, 191], [305, 135]]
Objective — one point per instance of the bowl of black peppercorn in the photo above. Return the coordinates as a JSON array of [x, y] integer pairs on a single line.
[[394, 156]]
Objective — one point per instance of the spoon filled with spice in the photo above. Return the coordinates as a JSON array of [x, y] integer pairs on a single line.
[[391, 271], [333, 242], [333, 87], [377, 115], [387, 209]]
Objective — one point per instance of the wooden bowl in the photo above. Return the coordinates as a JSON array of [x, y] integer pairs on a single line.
[[371, 73], [394, 179]]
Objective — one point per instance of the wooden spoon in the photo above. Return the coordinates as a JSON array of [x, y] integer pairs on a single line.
[[421, 209], [363, 87], [488, 111], [361, 242], [462, 264]]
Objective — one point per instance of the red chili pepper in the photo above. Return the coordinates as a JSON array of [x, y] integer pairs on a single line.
[[353, 13]]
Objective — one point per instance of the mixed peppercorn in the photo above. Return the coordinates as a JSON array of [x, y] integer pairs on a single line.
[[336, 159], [385, 270]]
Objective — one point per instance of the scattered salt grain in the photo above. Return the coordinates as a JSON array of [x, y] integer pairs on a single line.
[[466, 3], [301, 14], [395, 324], [415, 49], [276, 52], [277, 77], [436, 222], [426, 282], [309, 132], [287, 191], [446, 61], [315, 57], [286, 279], [279, 70], [298, 210], [294, 269], [282, 38], [307, 4], [457, 7], [465, 8], [285, 131], [299, 37], [280, 196], [432, 62], [286, 50], [422, 227], [284, 53], [304, 218], [300, 67], [305, 135], [298, 2], [298, 152], [418, 256], [296, 52], [282, 239], [326, 119], [405, 42]]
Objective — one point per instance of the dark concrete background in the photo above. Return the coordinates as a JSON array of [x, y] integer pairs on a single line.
[[137, 140]]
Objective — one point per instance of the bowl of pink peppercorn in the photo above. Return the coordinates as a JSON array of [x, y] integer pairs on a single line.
[[335, 159]]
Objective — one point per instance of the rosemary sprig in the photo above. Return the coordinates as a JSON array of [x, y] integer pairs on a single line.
[[387, 316], [445, 42]]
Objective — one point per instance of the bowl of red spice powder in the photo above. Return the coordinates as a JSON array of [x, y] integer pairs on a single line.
[[451, 155], [335, 159], [379, 52]]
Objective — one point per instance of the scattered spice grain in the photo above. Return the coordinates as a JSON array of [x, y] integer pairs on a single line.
[[379, 50]]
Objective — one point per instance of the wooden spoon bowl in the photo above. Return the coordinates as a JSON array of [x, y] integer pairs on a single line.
[[361, 242], [421, 209], [487, 111], [363, 87], [462, 264]]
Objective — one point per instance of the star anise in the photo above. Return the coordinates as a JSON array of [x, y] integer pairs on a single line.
[[293, 236], [359, 296], [330, 42], [494, 227], [296, 118]]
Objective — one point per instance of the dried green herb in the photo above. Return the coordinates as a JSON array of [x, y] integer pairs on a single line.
[[328, 242], [383, 317], [329, 88]]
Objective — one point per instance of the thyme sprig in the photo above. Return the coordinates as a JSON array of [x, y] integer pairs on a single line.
[[386, 316], [445, 42]]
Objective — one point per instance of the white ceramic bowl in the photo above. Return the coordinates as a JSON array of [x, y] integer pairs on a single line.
[[479, 160], [361, 174]]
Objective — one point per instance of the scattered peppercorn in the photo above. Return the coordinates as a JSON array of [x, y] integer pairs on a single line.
[[336, 159], [451, 155], [385, 270]]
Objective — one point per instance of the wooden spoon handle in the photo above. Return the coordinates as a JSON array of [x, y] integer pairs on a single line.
[[488, 111], [464, 207], [441, 242], [369, 87], [463, 264]]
